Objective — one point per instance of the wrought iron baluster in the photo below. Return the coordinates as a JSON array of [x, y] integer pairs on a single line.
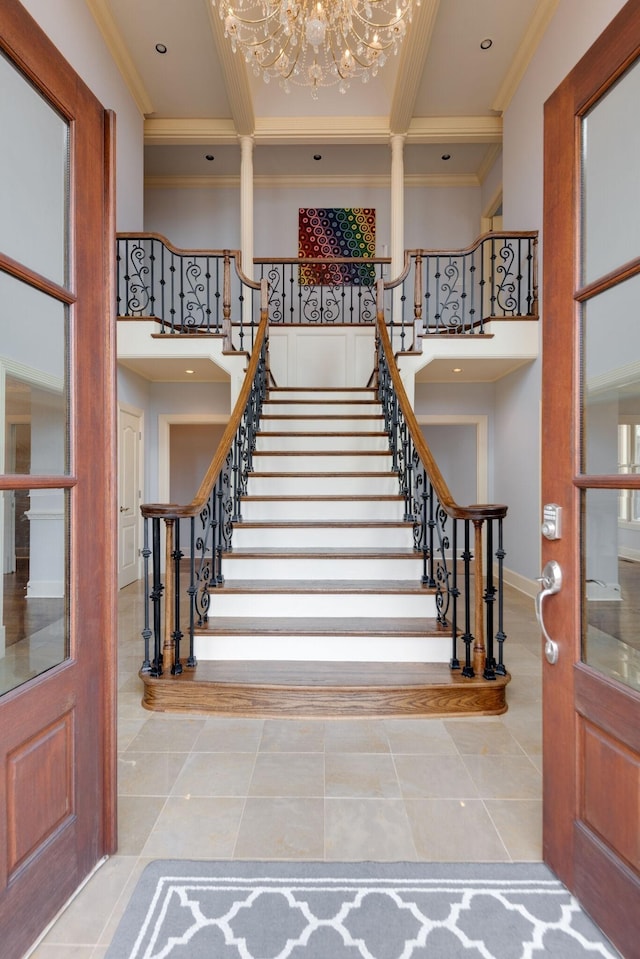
[[454, 662], [176, 666], [146, 632], [191, 659], [156, 596], [489, 599], [500, 635], [467, 636]]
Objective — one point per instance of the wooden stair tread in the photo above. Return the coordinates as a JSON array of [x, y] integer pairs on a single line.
[[319, 416], [325, 690], [331, 552], [261, 474], [322, 389], [355, 586], [317, 452], [323, 402], [323, 524], [424, 626], [323, 498], [314, 433]]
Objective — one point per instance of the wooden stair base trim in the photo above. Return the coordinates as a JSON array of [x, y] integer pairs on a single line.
[[325, 690]]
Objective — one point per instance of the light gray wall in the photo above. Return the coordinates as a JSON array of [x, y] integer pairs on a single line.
[[576, 24], [69, 24], [444, 217]]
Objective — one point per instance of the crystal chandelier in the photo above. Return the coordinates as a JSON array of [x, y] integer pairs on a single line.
[[316, 43]]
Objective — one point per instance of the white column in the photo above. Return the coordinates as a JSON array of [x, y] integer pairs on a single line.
[[397, 203], [246, 204]]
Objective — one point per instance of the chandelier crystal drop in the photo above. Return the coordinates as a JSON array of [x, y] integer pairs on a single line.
[[316, 43]]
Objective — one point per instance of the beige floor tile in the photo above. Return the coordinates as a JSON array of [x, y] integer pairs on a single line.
[[288, 774], [197, 828], [167, 733], [281, 828], [519, 824], [148, 774], [415, 736], [116, 914], [215, 774], [87, 915], [356, 736], [137, 816], [505, 777], [297, 736], [230, 735], [366, 775], [450, 830], [434, 777], [482, 738], [367, 829], [67, 951]]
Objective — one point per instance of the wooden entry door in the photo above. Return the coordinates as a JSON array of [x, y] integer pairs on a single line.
[[57, 807], [591, 442]]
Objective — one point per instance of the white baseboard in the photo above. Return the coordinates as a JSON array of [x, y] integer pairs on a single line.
[[530, 587], [625, 552]]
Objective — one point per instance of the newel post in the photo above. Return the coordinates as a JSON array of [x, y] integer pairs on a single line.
[[168, 650], [479, 649], [417, 300], [226, 300]]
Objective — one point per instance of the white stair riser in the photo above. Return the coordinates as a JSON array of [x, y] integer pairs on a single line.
[[384, 605], [375, 443], [325, 424], [322, 485], [327, 410], [322, 536], [334, 567], [344, 463], [332, 648], [327, 396], [327, 510]]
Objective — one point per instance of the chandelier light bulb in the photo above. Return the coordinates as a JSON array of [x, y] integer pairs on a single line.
[[316, 43]]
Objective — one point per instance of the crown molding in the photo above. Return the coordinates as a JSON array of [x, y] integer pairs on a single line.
[[234, 71], [534, 33], [171, 131], [413, 54], [101, 13], [380, 181], [455, 130]]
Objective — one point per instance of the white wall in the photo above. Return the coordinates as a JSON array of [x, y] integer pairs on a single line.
[[576, 24], [444, 217], [69, 24]]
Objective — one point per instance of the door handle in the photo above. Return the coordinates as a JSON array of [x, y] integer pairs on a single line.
[[551, 581], [125, 509]]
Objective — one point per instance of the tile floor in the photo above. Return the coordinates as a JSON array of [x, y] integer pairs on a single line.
[[196, 787]]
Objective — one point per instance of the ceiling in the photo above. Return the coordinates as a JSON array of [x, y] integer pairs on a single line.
[[442, 92]]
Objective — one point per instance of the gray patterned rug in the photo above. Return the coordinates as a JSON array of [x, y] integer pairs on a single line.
[[288, 910]]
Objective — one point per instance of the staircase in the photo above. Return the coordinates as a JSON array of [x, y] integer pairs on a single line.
[[322, 610], [323, 565]]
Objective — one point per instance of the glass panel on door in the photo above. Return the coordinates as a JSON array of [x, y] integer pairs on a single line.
[[34, 160]]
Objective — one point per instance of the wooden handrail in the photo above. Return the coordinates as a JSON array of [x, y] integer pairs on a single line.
[[477, 512], [173, 511]]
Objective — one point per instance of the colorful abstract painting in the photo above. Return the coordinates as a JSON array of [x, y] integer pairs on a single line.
[[327, 232]]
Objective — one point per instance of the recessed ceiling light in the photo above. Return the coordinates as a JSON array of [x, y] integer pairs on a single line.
[[160, 47], [209, 156], [445, 156], [457, 369], [189, 371], [486, 44], [317, 156]]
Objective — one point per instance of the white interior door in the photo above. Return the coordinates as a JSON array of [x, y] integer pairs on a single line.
[[130, 491]]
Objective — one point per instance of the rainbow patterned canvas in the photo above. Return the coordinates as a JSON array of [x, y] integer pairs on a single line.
[[327, 232]]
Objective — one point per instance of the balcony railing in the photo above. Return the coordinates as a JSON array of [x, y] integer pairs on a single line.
[[438, 292]]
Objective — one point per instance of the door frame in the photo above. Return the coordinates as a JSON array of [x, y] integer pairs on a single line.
[[59, 727], [139, 415], [591, 723]]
